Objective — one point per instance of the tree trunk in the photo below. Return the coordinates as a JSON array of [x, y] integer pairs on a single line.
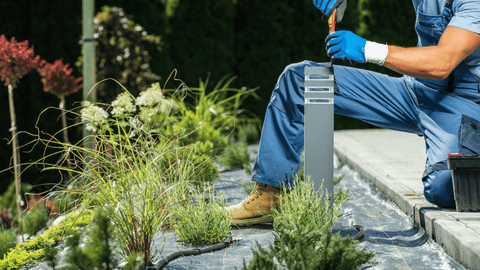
[[64, 129], [16, 158]]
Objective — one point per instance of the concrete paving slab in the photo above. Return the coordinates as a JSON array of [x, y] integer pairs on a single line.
[[393, 162]]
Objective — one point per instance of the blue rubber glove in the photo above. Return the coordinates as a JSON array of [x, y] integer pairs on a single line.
[[346, 46], [328, 6]]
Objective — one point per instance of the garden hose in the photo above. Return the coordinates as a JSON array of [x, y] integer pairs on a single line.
[[194, 251], [361, 232]]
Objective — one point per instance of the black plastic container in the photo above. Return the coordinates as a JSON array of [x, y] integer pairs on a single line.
[[466, 181]]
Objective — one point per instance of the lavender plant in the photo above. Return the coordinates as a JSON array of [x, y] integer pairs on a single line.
[[202, 218]]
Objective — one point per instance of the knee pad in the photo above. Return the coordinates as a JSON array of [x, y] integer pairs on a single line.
[[438, 188]]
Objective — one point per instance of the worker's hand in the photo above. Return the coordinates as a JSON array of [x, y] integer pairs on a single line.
[[328, 6], [346, 46]]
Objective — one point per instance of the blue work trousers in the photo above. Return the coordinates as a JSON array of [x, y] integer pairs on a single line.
[[403, 104]]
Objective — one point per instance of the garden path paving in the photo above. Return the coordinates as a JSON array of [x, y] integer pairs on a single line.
[[393, 162], [390, 233]]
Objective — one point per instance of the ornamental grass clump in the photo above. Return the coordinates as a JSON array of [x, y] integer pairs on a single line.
[[124, 174], [202, 218], [130, 170]]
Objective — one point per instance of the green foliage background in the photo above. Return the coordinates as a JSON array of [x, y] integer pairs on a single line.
[[249, 38]]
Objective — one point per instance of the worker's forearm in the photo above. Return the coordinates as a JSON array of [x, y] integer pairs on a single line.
[[420, 62]]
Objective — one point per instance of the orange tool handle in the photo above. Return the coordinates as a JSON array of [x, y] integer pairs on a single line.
[[332, 22]]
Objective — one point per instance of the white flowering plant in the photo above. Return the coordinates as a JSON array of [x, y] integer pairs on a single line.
[[123, 105], [146, 111], [94, 116]]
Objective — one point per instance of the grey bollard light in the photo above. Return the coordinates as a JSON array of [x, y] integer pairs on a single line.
[[318, 144]]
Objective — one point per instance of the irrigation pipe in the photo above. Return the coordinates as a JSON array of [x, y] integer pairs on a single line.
[[361, 232], [194, 251]]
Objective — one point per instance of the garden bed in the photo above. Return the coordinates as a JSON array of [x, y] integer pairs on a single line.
[[389, 232]]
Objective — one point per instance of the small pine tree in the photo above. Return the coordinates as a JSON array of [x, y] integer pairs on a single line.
[[262, 259], [98, 249]]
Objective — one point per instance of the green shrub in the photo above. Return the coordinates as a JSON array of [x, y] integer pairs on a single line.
[[190, 128], [250, 131], [7, 200], [235, 155], [210, 114], [120, 53], [330, 252], [202, 219], [8, 240], [35, 220], [304, 238], [302, 209]]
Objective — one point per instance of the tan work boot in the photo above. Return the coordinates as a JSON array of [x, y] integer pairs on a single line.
[[257, 207]]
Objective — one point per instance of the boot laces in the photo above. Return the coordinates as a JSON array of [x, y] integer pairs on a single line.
[[254, 195]]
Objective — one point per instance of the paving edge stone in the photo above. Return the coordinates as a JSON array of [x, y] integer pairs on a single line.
[[458, 241]]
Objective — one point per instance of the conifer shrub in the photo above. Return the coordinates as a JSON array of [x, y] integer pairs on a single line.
[[8, 240], [35, 220], [330, 252]]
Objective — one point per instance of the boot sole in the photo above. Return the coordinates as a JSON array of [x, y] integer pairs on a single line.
[[252, 221]]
